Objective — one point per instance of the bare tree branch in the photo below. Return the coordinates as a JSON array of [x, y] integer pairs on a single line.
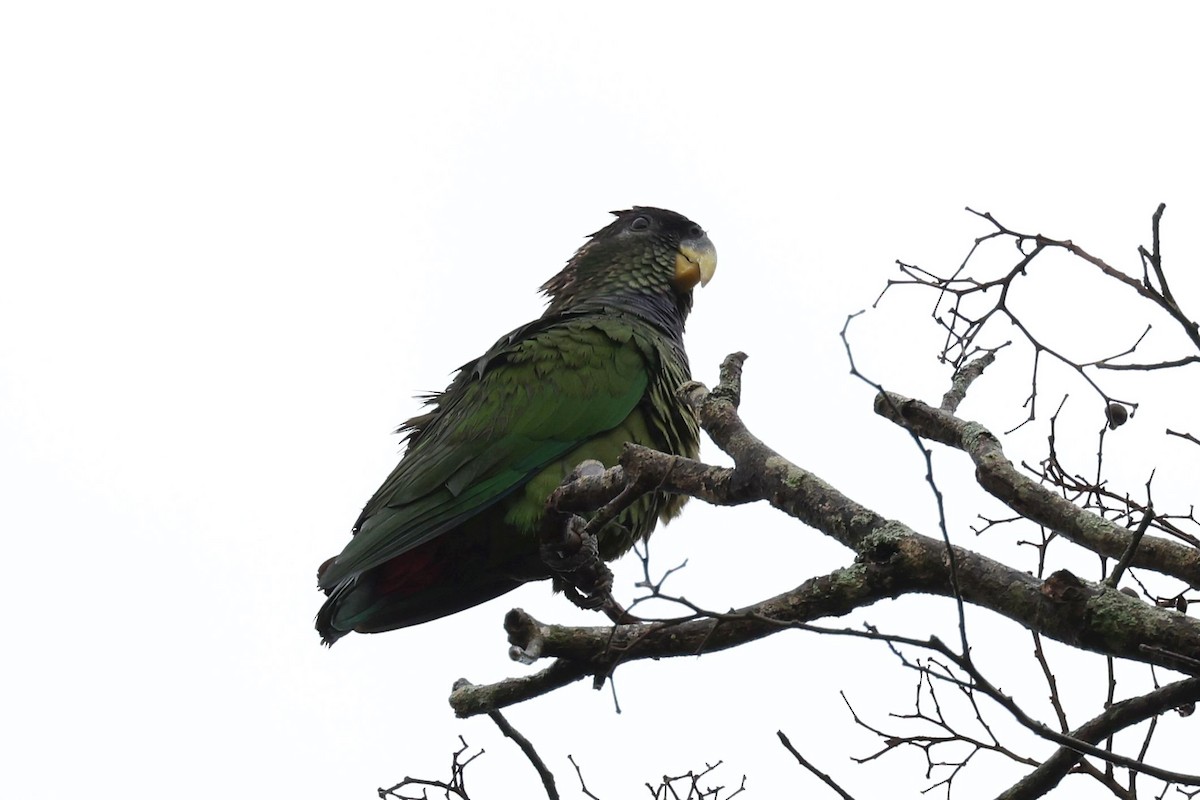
[[828, 781], [579, 774], [1115, 718], [1003, 481], [482, 699], [455, 786], [530, 753], [962, 380], [1187, 436]]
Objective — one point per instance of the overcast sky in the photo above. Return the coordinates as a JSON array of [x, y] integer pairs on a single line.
[[236, 239]]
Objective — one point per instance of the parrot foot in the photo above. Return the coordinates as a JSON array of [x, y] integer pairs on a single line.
[[571, 551], [577, 568]]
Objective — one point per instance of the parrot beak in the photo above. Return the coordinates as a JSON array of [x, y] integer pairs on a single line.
[[695, 263]]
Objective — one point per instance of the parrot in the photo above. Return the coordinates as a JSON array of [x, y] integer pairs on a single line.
[[456, 523]]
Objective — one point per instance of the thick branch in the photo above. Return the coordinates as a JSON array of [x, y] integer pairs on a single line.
[[897, 561], [1022, 494], [468, 699]]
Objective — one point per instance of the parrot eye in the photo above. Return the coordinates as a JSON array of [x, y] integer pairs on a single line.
[[639, 224], [695, 232]]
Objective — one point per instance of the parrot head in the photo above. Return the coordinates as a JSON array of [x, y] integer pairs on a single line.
[[646, 252]]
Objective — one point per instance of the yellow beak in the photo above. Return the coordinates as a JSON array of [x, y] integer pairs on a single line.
[[695, 263]]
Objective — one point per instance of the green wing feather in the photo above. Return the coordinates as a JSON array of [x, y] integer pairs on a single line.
[[538, 394]]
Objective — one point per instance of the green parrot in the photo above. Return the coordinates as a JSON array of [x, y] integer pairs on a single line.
[[457, 521]]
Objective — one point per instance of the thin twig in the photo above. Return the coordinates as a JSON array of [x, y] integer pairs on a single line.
[[804, 762], [530, 753]]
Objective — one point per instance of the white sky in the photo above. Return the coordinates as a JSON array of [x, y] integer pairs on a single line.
[[237, 238]]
